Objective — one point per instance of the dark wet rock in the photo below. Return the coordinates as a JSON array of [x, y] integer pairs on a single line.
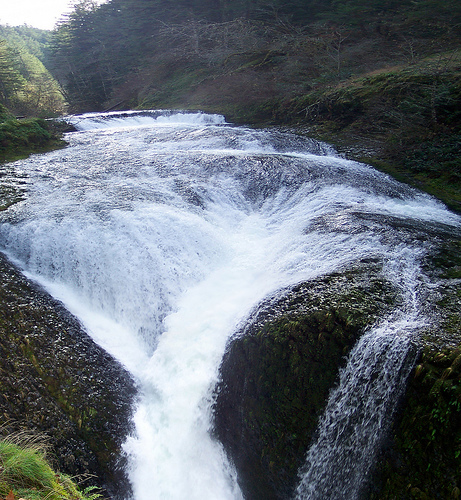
[[56, 380], [422, 456], [277, 372]]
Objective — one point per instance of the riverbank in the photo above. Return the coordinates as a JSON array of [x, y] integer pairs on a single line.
[[21, 137], [403, 119]]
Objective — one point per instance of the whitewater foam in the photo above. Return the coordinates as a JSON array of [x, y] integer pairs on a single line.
[[162, 230]]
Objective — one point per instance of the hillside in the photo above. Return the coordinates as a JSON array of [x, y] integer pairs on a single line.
[[27, 91], [404, 120], [239, 58], [378, 79], [27, 88]]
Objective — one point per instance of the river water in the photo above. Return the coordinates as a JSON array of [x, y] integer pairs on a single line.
[[161, 231]]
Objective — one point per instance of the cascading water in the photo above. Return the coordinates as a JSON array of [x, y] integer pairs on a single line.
[[361, 407], [162, 230]]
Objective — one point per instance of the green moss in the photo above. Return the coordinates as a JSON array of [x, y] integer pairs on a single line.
[[307, 350], [447, 261], [54, 379], [426, 458], [19, 138], [277, 377], [9, 195]]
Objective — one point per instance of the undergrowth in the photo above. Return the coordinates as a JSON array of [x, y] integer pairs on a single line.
[[25, 472], [20, 138]]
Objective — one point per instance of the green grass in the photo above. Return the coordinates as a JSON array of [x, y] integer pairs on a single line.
[[25, 471]]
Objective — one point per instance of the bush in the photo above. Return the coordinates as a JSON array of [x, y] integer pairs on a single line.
[[18, 138], [4, 114]]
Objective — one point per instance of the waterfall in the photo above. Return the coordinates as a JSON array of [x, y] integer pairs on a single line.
[[360, 409], [161, 231], [358, 413]]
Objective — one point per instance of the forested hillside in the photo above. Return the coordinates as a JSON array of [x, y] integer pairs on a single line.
[[381, 73], [27, 90], [236, 54], [26, 86]]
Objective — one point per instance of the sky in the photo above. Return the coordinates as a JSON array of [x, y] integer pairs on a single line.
[[37, 13]]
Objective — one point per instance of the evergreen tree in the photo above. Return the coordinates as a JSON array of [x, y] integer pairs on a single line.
[[27, 86], [11, 80]]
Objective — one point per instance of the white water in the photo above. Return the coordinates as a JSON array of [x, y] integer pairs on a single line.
[[162, 231], [361, 407]]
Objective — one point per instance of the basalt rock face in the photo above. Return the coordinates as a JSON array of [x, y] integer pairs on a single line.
[[422, 456], [56, 380], [277, 373]]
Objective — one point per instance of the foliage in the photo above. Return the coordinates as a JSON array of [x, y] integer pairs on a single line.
[[32, 40], [26, 86], [25, 472], [4, 114], [410, 111], [36, 94], [15, 134], [11, 80], [21, 137], [100, 50]]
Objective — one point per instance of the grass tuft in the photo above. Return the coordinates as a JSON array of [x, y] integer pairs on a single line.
[[25, 471]]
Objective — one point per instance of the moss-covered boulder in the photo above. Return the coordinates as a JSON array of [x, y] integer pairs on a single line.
[[55, 379], [422, 460], [277, 372]]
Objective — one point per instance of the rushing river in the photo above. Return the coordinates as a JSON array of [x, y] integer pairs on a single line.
[[161, 231]]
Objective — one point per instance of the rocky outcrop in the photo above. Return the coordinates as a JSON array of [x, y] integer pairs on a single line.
[[422, 456], [422, 459], [55, 379], [277, 372]]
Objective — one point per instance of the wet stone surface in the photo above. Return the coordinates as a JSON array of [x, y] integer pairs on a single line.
[[56, 380], [277, 372]]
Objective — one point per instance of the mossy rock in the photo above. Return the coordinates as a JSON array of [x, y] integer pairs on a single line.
[[20, 138], [423, 455], [277, 372], [56, 380]]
